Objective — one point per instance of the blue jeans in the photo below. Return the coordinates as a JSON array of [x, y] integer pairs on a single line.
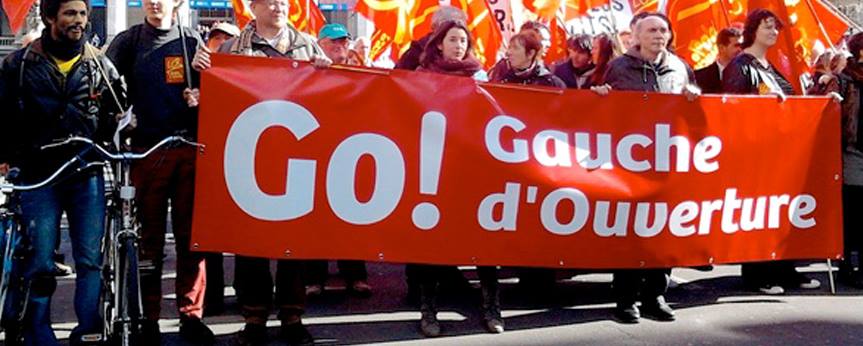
[[82, 197]]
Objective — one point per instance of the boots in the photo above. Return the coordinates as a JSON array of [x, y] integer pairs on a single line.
[[491, 305], [429, 324]]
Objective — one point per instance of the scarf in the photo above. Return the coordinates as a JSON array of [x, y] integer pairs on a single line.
[[466, 67], [62, 49]]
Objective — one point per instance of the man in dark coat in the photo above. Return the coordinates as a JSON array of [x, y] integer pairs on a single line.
[[728, 42]]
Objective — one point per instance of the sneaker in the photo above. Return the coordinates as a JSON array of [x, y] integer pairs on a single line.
[[62, 270], [361, 288], [314, 290], [252, 334], [296, 334], [195, 331], [627, 313], [429, 325], [771, 290], [149, 333], [493, 321], [658, 309], [811, 284]]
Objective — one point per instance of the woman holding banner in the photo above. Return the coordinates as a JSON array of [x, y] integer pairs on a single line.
[[450, 51], [525, 63], [751, 73]]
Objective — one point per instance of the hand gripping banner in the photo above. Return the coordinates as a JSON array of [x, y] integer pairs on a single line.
[[399, 166]]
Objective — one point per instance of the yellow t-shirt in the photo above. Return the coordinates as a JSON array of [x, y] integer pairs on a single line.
[[66, 66]]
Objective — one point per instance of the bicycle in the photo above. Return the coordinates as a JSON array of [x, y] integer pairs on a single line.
[[13, 244], [121, 294]]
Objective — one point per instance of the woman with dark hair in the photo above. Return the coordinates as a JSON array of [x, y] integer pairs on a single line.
[[751, 73], [450, 51], [603, 51], [578, 70], [523, 63]]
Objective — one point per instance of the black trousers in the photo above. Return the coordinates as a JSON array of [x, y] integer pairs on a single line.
[[852, 215], [640, 284]]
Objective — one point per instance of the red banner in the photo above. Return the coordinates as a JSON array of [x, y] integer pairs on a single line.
[[415, 167]]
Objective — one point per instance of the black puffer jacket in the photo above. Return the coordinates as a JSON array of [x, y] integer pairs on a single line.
[[41, 106], [536, 75]]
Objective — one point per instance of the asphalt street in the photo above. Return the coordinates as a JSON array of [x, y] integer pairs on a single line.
[[712, 307]]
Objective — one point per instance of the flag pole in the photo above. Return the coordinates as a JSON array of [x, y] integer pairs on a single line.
[[841, 15], [725, 13], [820, 24]]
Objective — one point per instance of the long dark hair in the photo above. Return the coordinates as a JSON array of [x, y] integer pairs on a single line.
[[432, 53], [607, 51]]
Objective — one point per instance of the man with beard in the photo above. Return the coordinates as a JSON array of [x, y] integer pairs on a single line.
[[153, 59], [57, 87], [270, 35]]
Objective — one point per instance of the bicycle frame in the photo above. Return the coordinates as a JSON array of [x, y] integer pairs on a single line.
[[120, 242]]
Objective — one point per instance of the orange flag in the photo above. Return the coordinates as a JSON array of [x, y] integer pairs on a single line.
[[484, 30], [557, 51], [242, 12], [16, 11], [696, 24], [306, 16], [808, 23], [639, 6], [397, 23], [302, 14]]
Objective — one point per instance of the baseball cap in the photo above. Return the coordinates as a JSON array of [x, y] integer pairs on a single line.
[[227, 28], [333, 31]]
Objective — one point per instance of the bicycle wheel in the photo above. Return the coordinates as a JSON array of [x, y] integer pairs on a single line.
[[109, 278], [8, 245], [130, 302]]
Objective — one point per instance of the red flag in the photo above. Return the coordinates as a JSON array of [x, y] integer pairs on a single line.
[[16, 11], [557, 51], [397, 22], [696, 24], [483, 29], [808, 23], [639, 6], [306, 16], [302, 14], [242, 12]]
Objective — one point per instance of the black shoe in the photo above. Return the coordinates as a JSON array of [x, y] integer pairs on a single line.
[[658, 309], [296, 334], [627, 313], [252, 334], [149, 333], [195, 331]]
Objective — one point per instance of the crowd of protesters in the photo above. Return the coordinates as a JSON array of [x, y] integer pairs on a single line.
[[60, 85]]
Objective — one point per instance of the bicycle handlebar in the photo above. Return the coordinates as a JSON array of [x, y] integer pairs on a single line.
[[124, 156], [7, 188]]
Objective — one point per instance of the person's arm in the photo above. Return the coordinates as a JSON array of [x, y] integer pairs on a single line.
[[113, 100], [121, 53]]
